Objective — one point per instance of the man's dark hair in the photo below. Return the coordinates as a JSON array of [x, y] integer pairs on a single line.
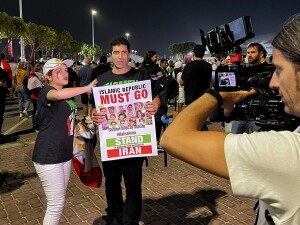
[[199, 51], [2, 55], [259, 48], [119, 41], [103, 59], [163, 60]]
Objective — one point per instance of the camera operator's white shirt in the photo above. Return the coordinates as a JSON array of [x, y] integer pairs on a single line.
[[266, 166]]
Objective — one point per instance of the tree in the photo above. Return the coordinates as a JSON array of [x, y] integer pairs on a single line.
[[74, 49], [181, 49], [63, 45], [99, 51], [88, 50], [30, 37], [11, 27], [47, 39]]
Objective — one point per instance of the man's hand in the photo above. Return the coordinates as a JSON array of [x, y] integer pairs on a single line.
[[151, 108], [231, 98], [98, 118], [3, 83]]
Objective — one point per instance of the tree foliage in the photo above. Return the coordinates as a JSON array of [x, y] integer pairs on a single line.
[[181, 48], [44, 39]]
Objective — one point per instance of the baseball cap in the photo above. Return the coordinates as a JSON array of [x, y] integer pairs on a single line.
[[178, 65], [53, 63]]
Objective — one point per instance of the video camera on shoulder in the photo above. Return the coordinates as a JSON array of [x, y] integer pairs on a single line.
[[225, 37], [225, 80], [242, 78], [266, 107]]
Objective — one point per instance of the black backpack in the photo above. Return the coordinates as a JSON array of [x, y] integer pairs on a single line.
[[172, 87], [158, 83]]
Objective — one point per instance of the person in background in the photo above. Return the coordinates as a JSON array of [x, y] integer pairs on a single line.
[[163, 66], [5, 84], [36, 81], [118, 211], [84, 75], [177, 75], [101, 68], [149, 63], [261, 165], [13, 66], [170, 68], [196, 77], [53, 149], [6, 67], [23, 97], [241, 121]]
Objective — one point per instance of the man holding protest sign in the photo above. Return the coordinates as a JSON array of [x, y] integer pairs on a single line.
[[130, 168]]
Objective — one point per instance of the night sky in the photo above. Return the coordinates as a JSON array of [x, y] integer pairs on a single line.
[[153, 25]]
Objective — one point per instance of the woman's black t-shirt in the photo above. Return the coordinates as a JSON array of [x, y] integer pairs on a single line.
[[54, 143], [109, 78]]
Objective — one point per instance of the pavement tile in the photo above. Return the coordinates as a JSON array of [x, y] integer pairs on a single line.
[[175, 195]]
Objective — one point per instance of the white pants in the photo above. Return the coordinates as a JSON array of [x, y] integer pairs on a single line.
[[54, 179]]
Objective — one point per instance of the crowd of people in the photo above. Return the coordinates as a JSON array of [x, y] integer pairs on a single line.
[[244, 159]]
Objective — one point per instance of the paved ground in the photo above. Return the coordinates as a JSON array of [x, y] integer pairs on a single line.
[[176, 194]]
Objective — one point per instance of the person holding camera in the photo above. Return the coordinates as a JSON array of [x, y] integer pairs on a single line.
[[241, 121], [261, 165]]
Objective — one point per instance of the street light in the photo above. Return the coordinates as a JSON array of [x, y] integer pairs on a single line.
[[127, 35], [94, 12], [22, 39]]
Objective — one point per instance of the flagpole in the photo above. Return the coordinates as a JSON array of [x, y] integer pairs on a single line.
[[21, 39]]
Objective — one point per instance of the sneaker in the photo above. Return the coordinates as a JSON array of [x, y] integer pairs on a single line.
[[26, 114], [160, 149], [21, 114]]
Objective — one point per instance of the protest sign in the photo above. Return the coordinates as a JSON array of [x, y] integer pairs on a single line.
[[127, 130]]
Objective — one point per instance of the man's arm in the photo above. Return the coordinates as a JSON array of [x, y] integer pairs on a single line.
[[204, 149]]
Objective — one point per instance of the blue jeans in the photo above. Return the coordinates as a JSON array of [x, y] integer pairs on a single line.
[[239, 127], [23, 97]]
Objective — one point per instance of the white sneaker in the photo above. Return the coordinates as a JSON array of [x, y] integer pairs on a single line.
[[26, 114], [21, 114]]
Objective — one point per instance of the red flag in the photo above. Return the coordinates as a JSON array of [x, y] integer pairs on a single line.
[[9, 47]]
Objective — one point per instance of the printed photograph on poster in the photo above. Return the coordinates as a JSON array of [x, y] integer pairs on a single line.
[[127, 130]]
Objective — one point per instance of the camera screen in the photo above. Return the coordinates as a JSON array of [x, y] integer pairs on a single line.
[[227, 79]]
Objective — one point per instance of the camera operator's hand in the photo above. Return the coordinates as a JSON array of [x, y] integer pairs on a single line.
[[231, 98]]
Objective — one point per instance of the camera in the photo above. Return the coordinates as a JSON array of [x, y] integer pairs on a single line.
[[266, 107], [239, 77], [224, 37]]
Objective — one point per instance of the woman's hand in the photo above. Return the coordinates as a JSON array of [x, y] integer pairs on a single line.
[[91, 85], [80, 118]]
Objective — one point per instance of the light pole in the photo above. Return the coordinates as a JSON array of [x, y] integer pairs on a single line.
[[21, 39], [94, 12], [127, 35]]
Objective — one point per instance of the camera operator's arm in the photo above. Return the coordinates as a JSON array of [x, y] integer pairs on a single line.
[[204, 149]]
